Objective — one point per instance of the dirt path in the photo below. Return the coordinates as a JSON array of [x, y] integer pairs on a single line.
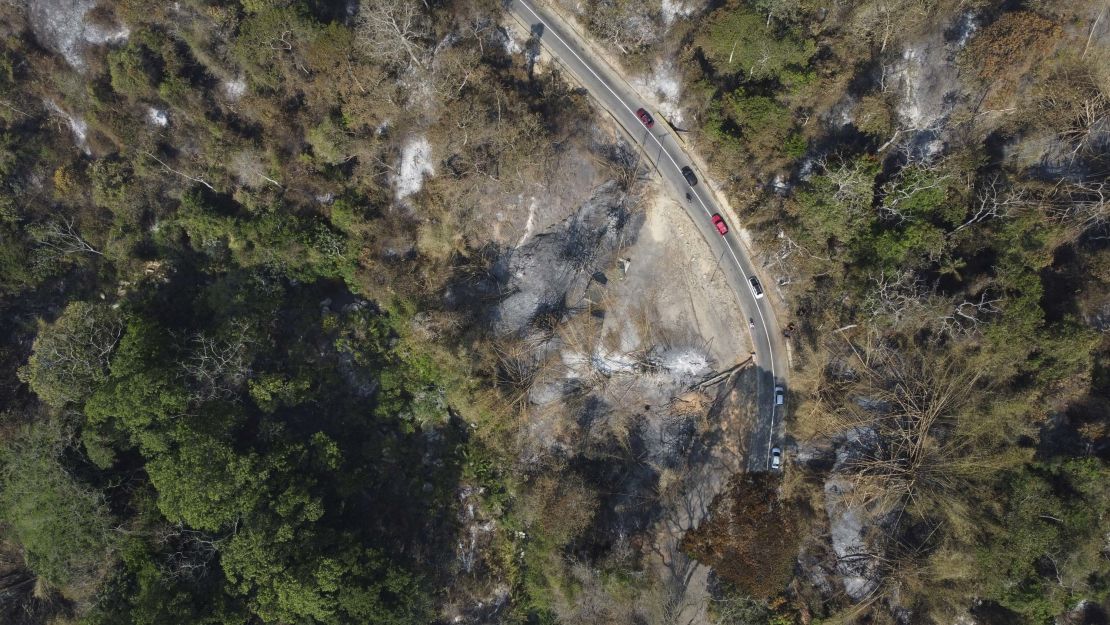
[[673, 279]]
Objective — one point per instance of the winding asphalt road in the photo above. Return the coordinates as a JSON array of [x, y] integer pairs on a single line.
[[668, 156]]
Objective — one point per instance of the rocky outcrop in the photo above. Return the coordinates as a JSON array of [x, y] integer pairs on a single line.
[[551, 272]]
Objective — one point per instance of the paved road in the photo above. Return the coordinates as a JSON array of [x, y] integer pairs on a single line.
[[669, 156]]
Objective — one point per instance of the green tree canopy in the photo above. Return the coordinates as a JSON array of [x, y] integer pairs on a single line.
[[62, 524], [70, 356], [739, 40]]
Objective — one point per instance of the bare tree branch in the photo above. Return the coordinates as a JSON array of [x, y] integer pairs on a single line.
[[61, 238]]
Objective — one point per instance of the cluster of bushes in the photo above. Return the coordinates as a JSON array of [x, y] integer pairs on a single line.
[[754, 76]]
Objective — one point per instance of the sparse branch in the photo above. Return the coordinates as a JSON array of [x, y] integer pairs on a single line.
[[179, 173], [217, 367], [396, 31], [994, 200], [913, 181], [191, 552], [61, 238]]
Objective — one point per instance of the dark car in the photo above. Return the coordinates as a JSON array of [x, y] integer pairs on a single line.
[[645, 117], [757, 288], [688, 174], [719, 222]]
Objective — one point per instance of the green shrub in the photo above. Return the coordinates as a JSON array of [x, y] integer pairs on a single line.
[[70, 357], [62, 525], [1046, 553], [795, 146], [135, 70]]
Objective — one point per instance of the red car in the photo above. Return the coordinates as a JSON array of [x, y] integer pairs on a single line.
[[719, 221], [645, 117]]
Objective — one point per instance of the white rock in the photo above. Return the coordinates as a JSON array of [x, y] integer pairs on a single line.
[[687, 361], [512, 41], [157, 117], [416, 164], [234, 89], [61, 25], [674, 9]]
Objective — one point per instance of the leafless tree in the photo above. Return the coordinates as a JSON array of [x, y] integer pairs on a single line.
[[1082, 205], [994, 200], [895, 296], [59, 237], [791, 258], [903, 297], [217, 367], [396, 31], [968, 315]]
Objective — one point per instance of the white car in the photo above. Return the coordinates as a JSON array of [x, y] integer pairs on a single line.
[[780, 396], [757, 288], [776, 458]]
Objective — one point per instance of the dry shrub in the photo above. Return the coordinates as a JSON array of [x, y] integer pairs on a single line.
[[932, 449], [1006, 50], [751, 537], [562, 506], [692, 404], [1073, 101]]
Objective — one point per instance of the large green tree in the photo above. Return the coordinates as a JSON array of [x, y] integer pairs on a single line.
[[70, 357]]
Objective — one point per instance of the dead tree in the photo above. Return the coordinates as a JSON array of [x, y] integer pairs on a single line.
[[923, 451], [994, 200], [1077, 106], [180, 173], [395, 31], [59, 237], [1082, 205], [217, 367]]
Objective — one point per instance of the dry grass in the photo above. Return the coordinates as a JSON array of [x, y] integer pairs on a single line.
[[929, 455], [928, 451]]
